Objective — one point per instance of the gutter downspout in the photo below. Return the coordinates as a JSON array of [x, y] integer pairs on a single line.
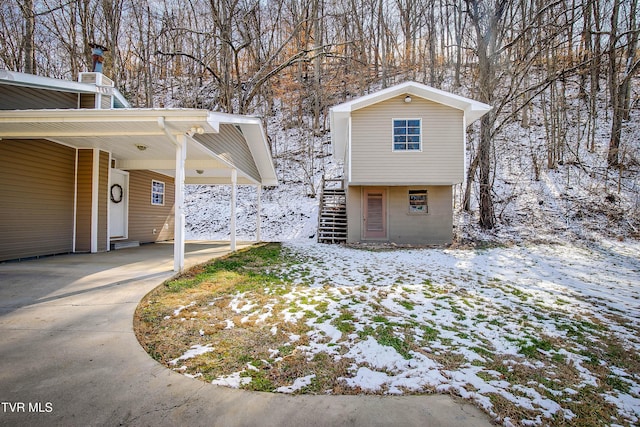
[[179, 141]]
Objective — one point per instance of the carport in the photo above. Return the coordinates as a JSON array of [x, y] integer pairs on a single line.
[[191, 145]]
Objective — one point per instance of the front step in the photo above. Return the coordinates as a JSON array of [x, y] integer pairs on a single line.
[[124, 244]]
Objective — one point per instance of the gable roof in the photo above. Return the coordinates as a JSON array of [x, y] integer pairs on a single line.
[[340, 114]]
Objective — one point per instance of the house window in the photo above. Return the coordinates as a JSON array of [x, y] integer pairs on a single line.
[[157, 193], [418, 202], [407, 134]]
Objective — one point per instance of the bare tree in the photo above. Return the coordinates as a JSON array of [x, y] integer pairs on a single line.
[[623, 65]]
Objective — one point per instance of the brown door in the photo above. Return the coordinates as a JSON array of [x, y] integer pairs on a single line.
[[375, 214]]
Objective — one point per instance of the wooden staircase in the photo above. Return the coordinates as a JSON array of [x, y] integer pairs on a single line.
[[332, 213]]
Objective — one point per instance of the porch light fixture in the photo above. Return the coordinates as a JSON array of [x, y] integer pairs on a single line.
[[141, 147], [407, 99], [195, 130], [199, 171]]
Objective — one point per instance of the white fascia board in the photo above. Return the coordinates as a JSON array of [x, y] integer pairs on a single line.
[[339, 121], [107, 115], [40, 82], [475, 112], [259, 147], [473, 109], [177, 120]]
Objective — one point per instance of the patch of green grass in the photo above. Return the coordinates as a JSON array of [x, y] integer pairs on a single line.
[[485, 376], [259, 381], [285, 350], [367, 331], [496, 322], [461, 315], [619, 384], [385, 336], [406, 304], [323, 318], [429, 333], [482, 352], [380, 319], [593, 359], [587, 325], [178, 285], [344, 322], [532, 346], [322, 307]]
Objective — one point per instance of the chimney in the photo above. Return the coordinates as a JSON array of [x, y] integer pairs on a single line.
[[97, 56]]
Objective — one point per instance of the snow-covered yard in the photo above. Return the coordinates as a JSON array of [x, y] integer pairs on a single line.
[[534, 334]]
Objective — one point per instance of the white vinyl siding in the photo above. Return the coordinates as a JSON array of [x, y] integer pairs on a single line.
[[439, 162]]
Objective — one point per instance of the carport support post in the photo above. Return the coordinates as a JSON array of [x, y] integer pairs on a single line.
[[178, 238], [232, 225], [259, 209]]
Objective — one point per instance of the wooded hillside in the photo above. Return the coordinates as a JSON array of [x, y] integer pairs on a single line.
[[560, 75]]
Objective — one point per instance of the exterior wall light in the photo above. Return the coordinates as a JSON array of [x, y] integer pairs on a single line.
[[407, 99]]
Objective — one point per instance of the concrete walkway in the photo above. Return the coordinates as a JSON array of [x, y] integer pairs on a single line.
[[69, 357]]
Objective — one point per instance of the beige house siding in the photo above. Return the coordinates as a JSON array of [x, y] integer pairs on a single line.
[[144, 217], [105, 102], [88, 100], [23, 98], [433, 228], [373, 161], [84, 200], [36, 189]]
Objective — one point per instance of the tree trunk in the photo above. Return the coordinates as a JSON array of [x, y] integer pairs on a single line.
[[29, 34], [487, 214]]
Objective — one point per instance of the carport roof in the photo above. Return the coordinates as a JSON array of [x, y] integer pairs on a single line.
[[217, 143]]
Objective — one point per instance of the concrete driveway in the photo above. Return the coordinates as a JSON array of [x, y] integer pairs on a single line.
[[69, 357]]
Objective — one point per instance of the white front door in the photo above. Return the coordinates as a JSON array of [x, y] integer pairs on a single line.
[[118, 204]]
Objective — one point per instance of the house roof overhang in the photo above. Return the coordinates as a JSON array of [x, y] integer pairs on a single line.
[[341, 113], [48, 84], [145, 139]]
